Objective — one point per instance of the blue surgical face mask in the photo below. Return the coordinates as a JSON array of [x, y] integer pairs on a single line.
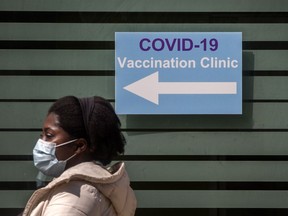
[[45, 159]]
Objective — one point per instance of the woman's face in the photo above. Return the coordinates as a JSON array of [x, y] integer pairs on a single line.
[[52, 132]]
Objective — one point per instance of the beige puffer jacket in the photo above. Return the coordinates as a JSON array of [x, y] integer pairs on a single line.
[[86, 189]]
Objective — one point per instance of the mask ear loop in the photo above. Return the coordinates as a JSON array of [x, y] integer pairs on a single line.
[[71, 157], [65, 143]]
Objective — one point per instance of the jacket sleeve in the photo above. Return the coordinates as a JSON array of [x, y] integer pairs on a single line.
[[75, 198]]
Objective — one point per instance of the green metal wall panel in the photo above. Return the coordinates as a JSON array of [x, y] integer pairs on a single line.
[[144, 5], [254, 88], [181, 143], [175, 171], [105, 31]]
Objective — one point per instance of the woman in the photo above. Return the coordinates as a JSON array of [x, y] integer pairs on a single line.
[[80, 137]]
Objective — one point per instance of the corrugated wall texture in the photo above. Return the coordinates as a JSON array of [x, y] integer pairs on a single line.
[[216, 165]]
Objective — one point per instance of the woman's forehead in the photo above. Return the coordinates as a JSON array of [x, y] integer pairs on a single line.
[[52, 119]]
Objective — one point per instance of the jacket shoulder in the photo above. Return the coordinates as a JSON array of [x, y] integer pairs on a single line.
[[76, 196]]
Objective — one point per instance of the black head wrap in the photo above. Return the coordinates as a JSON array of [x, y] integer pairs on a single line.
[[87, 107]]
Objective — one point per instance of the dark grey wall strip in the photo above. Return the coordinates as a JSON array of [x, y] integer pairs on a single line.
[[144, 17], [36, 100], [110, 45], [209, 185], [187, 211], [266, 130], [203, 158], [55, 45], [211, 212], [180, 185], [112, 73], [262, 73], [113, 100], [58, 73], [172, 157]]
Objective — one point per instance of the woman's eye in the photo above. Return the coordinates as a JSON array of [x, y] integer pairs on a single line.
[[49, 135]]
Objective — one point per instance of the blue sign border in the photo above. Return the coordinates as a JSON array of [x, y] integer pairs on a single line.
[[136, 54]]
